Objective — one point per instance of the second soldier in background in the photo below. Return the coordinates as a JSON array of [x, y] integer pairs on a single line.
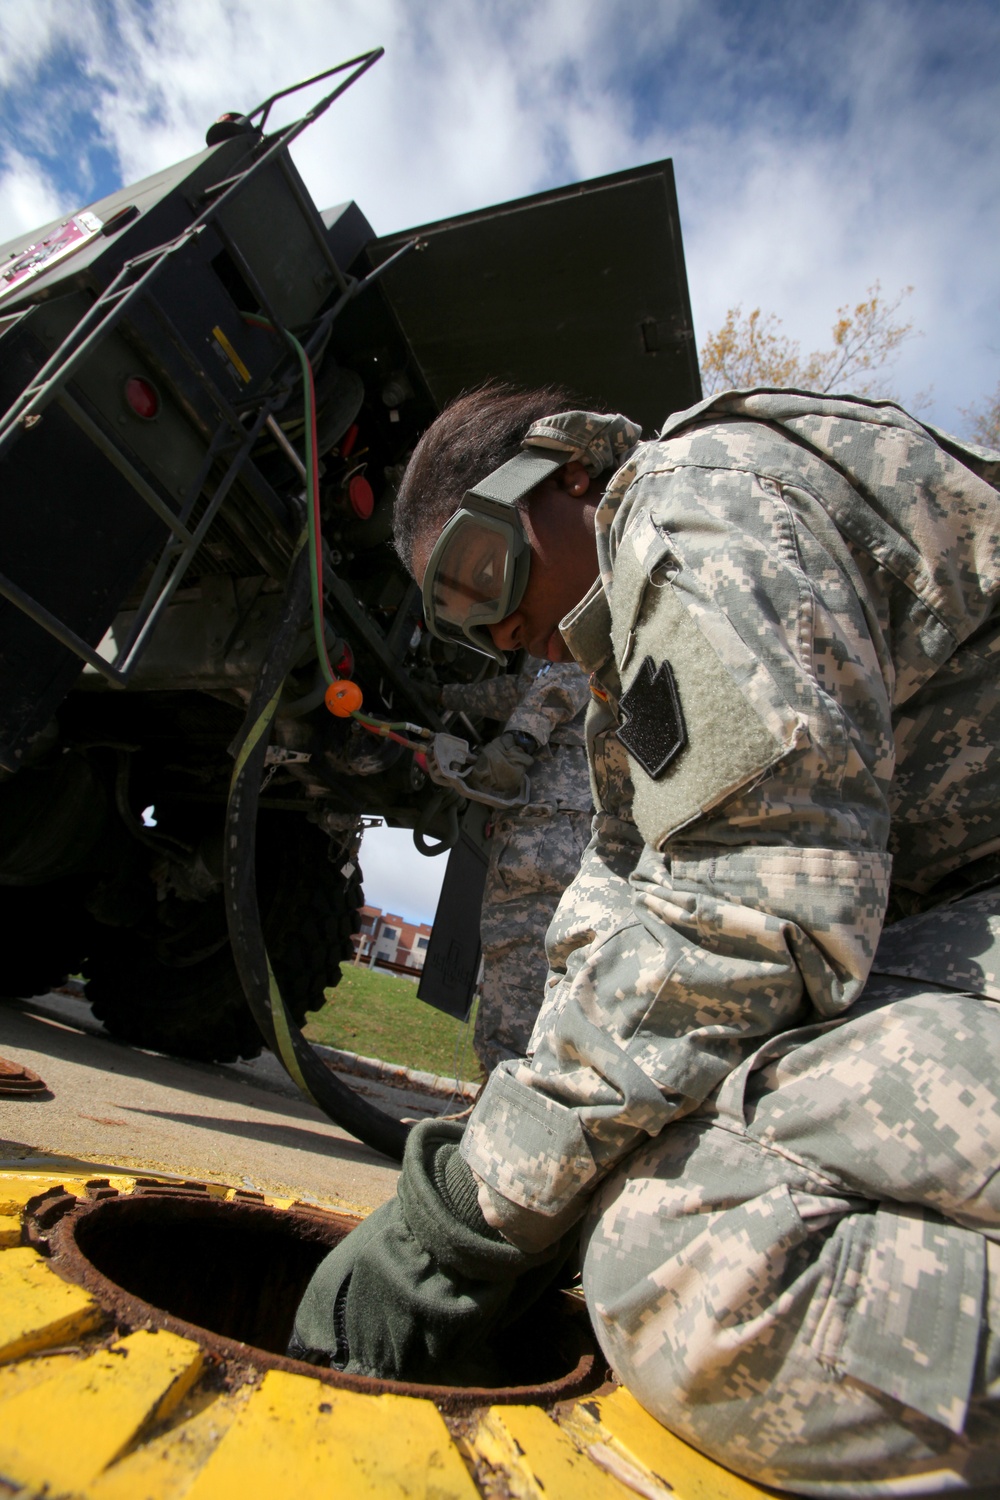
[[535, 850]]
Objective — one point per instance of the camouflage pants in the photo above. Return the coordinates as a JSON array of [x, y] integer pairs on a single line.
[[803, 1279], [533, 858]]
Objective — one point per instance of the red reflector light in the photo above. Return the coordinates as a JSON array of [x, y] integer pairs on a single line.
[[359, 492], [143, 397]]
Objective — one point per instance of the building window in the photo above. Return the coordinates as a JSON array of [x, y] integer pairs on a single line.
[[388, 932], [421, 942]]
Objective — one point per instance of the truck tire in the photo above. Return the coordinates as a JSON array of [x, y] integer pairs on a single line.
[[194, 1006], [46, 936]]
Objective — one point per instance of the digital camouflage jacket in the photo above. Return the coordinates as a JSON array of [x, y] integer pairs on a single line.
[[793, 645], [547, 700]]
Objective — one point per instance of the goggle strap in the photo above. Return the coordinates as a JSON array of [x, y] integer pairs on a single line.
[[517, 477]]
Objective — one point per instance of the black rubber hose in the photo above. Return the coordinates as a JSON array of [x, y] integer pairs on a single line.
[[279, 1030], [441, 802]]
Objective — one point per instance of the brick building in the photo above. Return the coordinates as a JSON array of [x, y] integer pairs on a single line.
[[387, 941]]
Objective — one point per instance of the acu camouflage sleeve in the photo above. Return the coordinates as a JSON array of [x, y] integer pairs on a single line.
[[556, 694], [494, 698], [748, 879]]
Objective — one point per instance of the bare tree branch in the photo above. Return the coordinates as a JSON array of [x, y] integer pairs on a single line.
[[984, 421]]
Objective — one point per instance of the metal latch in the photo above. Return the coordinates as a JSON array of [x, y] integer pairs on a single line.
[[276, 756], [449, 760]]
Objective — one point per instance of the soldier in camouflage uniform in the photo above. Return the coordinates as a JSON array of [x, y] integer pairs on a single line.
[[535, 850], [766, 1077]]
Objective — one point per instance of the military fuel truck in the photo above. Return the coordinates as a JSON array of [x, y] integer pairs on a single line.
[[211, 389]]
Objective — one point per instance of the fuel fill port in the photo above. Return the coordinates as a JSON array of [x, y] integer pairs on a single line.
[[228, 1273]]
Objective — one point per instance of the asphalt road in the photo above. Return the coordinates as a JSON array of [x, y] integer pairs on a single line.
[[116, 1106]]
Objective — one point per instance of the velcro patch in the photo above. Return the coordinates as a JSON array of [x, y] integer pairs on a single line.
[[653, 731], [736, 722], [730, 745]]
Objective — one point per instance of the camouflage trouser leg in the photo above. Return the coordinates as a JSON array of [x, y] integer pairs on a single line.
[[803, 1280], [532, 860], [507, 1009]]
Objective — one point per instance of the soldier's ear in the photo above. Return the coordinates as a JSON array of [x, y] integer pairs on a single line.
[[573, 478]]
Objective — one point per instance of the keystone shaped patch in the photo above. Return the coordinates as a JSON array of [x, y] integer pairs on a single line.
[[653, 729]]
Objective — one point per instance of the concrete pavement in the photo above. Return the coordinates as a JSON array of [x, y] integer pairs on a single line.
[[116, 1106]]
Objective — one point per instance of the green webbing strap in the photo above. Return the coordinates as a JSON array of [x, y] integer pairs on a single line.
[[318, 1083], [279, 1015]]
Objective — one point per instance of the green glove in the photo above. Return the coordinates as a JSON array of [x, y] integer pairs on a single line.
[[416, 1291], [431, 694], [501, 766]]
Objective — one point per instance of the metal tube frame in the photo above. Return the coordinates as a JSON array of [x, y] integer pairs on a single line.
[[65, 360], [50, 382]]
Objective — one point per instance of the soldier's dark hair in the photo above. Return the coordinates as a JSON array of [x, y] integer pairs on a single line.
[[474, 434]]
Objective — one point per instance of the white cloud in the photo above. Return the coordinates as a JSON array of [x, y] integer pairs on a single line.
[[32, 32], [27, 198], [811, 158], [900, 189], [880, 170], [483, 96], [399, 879]]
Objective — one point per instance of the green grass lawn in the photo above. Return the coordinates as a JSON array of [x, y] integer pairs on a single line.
[[379, 1015]]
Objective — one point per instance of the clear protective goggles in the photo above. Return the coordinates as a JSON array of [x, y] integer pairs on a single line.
[[478, 570]]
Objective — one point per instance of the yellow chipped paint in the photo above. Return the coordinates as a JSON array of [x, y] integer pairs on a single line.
[[164, 1468], [23, 1374], [219, 1190], [666, 1458], [298, 1439], [15, 1191], [74, 1420], [16, 1188], [540, 1460], [37, 1308], [64, 1431]]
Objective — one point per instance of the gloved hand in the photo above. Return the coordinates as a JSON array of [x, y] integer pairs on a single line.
[[429, 693], [501, 766], [415, 1292]]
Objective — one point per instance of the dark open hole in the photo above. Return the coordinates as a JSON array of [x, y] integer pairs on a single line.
[[237, 1271]]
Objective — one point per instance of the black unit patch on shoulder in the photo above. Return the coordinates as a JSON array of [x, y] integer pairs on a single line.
[[653, 729]]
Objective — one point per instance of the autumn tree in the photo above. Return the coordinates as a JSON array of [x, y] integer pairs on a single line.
[[753, 350], [983, 422]]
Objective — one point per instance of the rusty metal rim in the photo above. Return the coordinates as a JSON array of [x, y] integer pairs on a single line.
[[17, 1080], [56, 1218]]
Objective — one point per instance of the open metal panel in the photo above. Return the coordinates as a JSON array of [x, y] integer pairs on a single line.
[[584, 286]]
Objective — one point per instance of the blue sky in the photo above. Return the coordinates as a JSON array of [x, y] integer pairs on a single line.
[[817, 148]]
